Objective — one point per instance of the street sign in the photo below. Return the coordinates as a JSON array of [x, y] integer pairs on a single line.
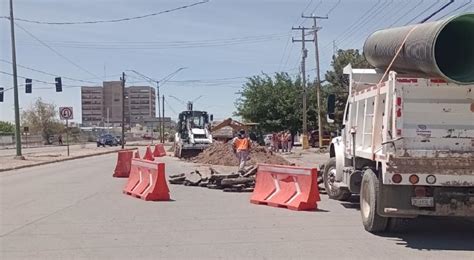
[[65, 113]]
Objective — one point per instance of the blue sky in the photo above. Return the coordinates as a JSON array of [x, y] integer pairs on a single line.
[[220, 42]]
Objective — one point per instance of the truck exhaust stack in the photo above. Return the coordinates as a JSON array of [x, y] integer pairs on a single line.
[[443, 48]]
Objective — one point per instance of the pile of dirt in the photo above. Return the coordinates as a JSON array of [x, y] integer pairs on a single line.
[[221, 154]]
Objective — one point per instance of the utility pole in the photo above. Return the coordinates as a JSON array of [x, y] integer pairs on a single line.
[[123, 109], [318, 76], [303, 73], [163, 118], [15, 88], [160, 119]]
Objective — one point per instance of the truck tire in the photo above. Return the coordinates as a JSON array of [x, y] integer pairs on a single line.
[[369, 199], [329, 176]]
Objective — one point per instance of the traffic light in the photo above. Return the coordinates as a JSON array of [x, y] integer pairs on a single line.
[[59, 84], [1, 94], [28, 86]]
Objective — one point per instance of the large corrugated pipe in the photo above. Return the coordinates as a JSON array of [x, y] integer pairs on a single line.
[[444, 48]]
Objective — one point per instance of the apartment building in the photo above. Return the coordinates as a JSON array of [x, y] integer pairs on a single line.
[[92, 105], [141, 104], [103, 106]]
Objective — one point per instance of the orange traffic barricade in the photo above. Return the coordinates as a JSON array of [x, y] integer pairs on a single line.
[[124, 163], [292, 187], [147, 181], [148, 154], [159, 150]]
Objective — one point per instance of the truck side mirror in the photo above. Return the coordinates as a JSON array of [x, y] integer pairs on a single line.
[[331, 109], [212, 117]]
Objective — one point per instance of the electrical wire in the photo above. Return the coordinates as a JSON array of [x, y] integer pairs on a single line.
[[370, 18], [170, 107], [112, 20], [50, 74], [316, 7], [377, 25], [57, 53], [334, 7], [407, 13], [460, 7], [422, 12], [169, 45], [41, 81]]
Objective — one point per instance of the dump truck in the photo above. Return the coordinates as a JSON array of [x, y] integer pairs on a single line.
[[407, 138], [193, 133]]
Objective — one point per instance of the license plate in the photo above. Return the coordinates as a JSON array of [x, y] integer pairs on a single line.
[[422, 201]]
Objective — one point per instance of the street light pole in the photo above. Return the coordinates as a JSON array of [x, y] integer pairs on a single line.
[[15, 87]]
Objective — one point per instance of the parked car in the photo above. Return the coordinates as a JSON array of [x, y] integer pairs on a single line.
[[107, 139], [119, 140]]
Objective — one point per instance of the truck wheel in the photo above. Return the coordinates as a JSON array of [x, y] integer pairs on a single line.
[[369, 199], [329, 177]]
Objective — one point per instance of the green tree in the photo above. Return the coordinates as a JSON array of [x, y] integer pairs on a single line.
[[274, 102], [338, 83], [6, 127], [41, 119]]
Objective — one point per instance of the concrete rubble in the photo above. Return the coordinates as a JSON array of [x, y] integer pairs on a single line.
[[230, 182]]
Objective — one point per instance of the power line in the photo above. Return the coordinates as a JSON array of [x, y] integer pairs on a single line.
[[170, 45], [407, 13], [112, 20], [41, 81], [57, 53], [334, 7], [422, 12], [368, 19], [50, 74], [391, 14], [170, 107], [362, 17], [316, 7], [460, 7]]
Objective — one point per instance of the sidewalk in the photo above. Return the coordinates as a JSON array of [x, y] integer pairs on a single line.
[[54, 154]]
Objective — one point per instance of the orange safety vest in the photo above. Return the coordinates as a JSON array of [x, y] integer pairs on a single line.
[[241, 144]]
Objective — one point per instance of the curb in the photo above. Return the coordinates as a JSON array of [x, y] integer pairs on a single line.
[[63, 160]]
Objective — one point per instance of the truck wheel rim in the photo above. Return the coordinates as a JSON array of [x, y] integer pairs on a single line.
[[365, 205]]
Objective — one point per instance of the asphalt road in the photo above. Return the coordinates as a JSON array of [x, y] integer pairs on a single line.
[[75, 209]]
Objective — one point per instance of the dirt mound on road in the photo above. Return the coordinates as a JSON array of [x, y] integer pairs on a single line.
[[221, 154]]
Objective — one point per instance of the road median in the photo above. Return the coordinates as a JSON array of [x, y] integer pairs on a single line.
[[38, 160]]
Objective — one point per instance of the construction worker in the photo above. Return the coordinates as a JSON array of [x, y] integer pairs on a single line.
[[241, 146]]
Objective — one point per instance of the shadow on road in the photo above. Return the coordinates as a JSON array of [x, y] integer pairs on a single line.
[[352, 203], [428, 233]]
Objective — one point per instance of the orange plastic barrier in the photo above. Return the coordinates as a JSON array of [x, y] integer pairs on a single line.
[[148, 154], [159, 150], [147, 181], [124, 163], [295, 188]]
